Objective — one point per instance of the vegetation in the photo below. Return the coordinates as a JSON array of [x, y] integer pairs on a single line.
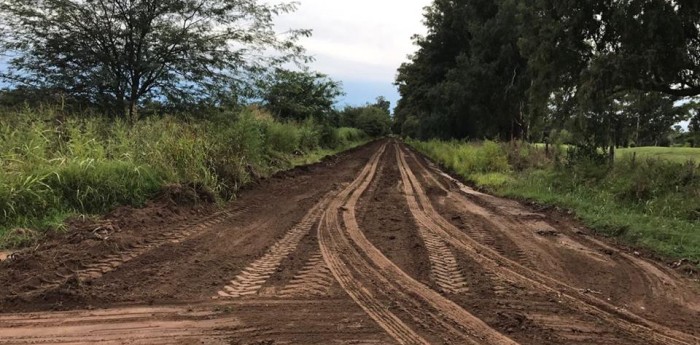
[[298, 95], [647, 202], [345, 138], [604, 78], [81, 120], [121, 55], [55, 165], [673, 154], [611, 73], [373, 119]]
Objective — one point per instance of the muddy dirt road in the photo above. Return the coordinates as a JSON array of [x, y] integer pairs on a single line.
[[375, 246]]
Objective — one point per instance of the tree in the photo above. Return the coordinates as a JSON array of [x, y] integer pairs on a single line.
[[117, 54], [373, 118], [694, 126], [649, 117], [468, 78], [419, 80], [374, 121], [298, 95], [645, 45], [527, 68], [382, 103]]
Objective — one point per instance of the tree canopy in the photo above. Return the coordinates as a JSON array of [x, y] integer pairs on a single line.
[[119, 54], [373, 118], [522, 68], [298, 95]]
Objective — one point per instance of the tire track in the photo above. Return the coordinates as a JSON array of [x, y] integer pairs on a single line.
[[295, 322], [633, 325], [139, 325], [96, 269], [444, 269], [251, 280], [331, 246], [313, 280], [398, 303], [559, 251], [502, 244], [112, 262]]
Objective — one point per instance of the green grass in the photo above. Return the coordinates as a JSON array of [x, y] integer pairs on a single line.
[[318, 155], [674, 154], [652, 203], [53, 166]]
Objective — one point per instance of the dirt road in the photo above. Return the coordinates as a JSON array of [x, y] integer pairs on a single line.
[[375, 246]]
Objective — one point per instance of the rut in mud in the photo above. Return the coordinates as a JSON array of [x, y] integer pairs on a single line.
[[374, 246]]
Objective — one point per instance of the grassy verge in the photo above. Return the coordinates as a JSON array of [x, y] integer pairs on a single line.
[[53, 166], [347, 138], [647, 202]]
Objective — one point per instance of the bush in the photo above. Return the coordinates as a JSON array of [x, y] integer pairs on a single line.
[[310, 135], [348, 135], [411, 128], [374, 121], [464, 159], [282, 137]]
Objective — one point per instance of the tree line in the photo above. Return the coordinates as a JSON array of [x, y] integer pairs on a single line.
[[601, 73], [133, 58]]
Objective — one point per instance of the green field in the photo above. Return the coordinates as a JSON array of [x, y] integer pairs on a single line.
[[674, 154]]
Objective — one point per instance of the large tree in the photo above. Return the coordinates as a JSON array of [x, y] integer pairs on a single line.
[[468, 78], [120, 53], [646, 45], [524, 68], [298, 95]]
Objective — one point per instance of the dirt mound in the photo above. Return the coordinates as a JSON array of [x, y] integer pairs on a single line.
[[47, 270]]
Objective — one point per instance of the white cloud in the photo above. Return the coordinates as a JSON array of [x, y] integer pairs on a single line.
[[358, 40]]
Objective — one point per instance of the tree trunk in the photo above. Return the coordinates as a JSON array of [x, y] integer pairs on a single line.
[[636, 136], [612, 138], [133, 111], [133, 100], [612, 154]]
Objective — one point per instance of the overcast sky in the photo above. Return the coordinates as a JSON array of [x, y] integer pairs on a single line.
[[359, 42]]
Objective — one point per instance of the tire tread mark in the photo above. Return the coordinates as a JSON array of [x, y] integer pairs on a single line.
[[313, 280], [444, 269], [96, 269], [332, 244], [356, 262], [251, 280], [491, 259]]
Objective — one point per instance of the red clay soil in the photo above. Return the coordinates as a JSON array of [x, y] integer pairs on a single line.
[[374, 246]]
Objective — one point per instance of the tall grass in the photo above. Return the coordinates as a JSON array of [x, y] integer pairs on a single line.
[[52, 165], [647, 202]]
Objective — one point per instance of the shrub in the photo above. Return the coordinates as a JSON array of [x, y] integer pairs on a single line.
[[348, 135], [282, 137], [309, 135], [374, 121]]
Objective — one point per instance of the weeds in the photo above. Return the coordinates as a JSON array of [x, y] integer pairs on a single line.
[[52, 166]]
